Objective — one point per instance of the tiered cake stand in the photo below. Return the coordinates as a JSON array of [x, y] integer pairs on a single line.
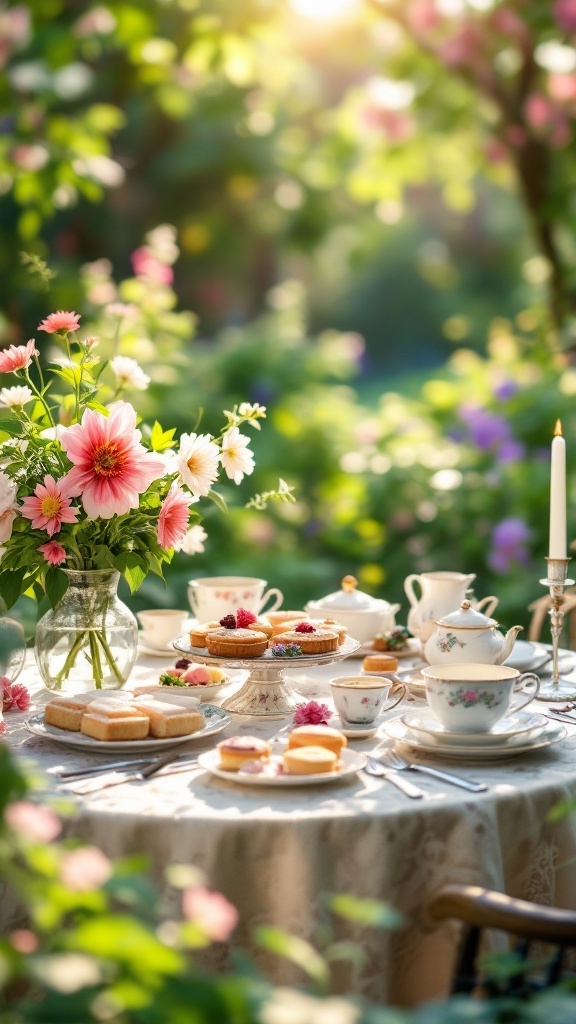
[[266, 691]]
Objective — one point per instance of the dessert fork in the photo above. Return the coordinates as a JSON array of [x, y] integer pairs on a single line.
[[392, 759], [375, 767]]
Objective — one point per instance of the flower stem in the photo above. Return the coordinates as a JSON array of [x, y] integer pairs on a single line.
[[96, 662], [109, 656], [72, 654]]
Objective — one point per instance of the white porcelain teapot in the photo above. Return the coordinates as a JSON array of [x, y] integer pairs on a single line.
[[363, 615], [467, 635]]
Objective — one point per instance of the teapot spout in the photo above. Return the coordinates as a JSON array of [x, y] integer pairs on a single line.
[[508, 644]]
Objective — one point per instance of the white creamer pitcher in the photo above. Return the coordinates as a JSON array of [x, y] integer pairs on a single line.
[[442, 592]]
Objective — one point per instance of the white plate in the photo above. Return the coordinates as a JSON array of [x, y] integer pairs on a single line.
[[217, 720], [426, 724], [352, 762], [527, 656], [519, 745], [411, 651]]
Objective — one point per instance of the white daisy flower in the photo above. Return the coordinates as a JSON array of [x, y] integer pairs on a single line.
[[129, 373], [197, 461], [193, 542], [236, 457], [18, 396]]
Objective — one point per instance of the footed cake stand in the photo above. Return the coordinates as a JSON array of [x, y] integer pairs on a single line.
[[266, 691]]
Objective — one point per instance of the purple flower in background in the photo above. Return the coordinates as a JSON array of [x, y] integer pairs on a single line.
[[511, 451], [509, 544], [490, 432], [505, 390]]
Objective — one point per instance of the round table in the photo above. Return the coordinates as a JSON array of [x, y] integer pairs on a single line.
[[275, 852]]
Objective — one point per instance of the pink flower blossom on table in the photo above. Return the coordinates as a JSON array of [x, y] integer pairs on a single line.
[[15, 696], [49, 507], [61, 321], [211, 911], [110, 467], [17, 357], [33, 822], [312, 714], [146, 264], [53, 552], [173, 517], [85, 868]]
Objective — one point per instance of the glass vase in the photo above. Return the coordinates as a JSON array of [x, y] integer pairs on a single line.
[[90, 640]]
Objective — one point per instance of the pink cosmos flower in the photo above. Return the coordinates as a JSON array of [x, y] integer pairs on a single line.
[[17, 357], [312, 714], [53, 552], [86, 868], [110, 468], [210, 911], [173, 518], [15, 696], [60, 321], [32, 822], [49, 507]]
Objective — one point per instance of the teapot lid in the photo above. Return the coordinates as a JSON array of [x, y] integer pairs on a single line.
[[350, 599], [466, 617]]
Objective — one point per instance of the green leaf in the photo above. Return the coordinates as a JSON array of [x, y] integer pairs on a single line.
[[9, 426], [136, 571], [218, 500], [11, 585], [56, 584], [297, 950], [70, 374], [368, 912], [160, 439]]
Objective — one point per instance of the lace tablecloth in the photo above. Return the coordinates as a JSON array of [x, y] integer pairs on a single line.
[[274, 853]]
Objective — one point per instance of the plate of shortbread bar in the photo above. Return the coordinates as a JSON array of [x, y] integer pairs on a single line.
[[122, 721]]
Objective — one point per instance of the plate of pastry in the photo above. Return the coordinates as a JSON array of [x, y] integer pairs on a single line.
[[125, 723], [312, 755]]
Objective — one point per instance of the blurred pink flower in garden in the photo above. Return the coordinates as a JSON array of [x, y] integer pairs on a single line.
[[129, 373], [506, 21], [211, 911], [539, 111], [173, 517], [84, 869], [53, 552], [60, 321], [565, 14], [423, 16], [17, 357], [463, 48], [516, 135], [23, 940], [110, 467], [509, 544], [146, 264], [49, 507], [33, 822], [562, 88], [15, 696]]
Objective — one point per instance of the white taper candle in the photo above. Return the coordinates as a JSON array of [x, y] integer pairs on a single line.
[[558, 495]]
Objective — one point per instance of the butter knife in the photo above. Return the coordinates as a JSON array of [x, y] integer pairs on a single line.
[[87, 786]]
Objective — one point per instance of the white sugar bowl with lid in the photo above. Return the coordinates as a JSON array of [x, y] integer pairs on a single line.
[[364, 616], [467, 635]]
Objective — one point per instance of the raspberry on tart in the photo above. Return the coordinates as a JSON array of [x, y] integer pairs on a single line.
[[304, 627], [228, 621]]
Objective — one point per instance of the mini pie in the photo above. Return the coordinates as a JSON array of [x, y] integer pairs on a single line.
[[236, 643], [317, 736], [276, 618], [263, 626], [380, 663], [237, 750], [336, 627], [321, 641], [198, 633], [309, 760]]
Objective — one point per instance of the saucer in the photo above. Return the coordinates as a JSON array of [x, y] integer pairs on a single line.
[[356, 731], [155, 652], [523, 744], [424, 723], [527, 656]]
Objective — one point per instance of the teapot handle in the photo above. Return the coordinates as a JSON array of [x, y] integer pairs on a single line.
[[409, 588], [487, 605]]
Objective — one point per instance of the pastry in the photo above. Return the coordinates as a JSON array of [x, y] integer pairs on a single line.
[[286, 627], [198, 633], [263, 625], [110, 720], [317, 736], [236, 643], [169, 719], [380, 663], [337, 627], [237, 750], [309, 761], [275, 618], [311, 640], [181, 695], [65, 712]]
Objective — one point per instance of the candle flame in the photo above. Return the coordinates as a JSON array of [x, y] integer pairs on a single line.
[[558, 429]]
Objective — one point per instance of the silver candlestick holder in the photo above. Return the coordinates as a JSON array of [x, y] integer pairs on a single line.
[[557, 580]]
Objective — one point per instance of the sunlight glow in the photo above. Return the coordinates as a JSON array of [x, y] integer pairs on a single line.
[[323, 8]]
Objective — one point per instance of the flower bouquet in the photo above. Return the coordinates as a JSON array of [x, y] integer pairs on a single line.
[[87, 495]]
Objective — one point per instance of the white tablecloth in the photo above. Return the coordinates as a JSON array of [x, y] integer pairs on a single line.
[[274, 852]]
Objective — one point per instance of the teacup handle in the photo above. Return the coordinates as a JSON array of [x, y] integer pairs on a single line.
[[192, 600], [278, 597], [531, 677], [487, 604], [400, 698], [409, 588]]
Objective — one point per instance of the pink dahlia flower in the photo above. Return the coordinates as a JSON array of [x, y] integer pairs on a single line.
[[210, 911], [49, 507], [60, 321], [110, 467], [53, 552], [17, 357], [15, 696], [173, 518], [312, 714]]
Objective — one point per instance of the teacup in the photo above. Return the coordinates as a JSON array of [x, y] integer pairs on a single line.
[[161, 625], [472, 698], [215, 596], [360, 699]]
